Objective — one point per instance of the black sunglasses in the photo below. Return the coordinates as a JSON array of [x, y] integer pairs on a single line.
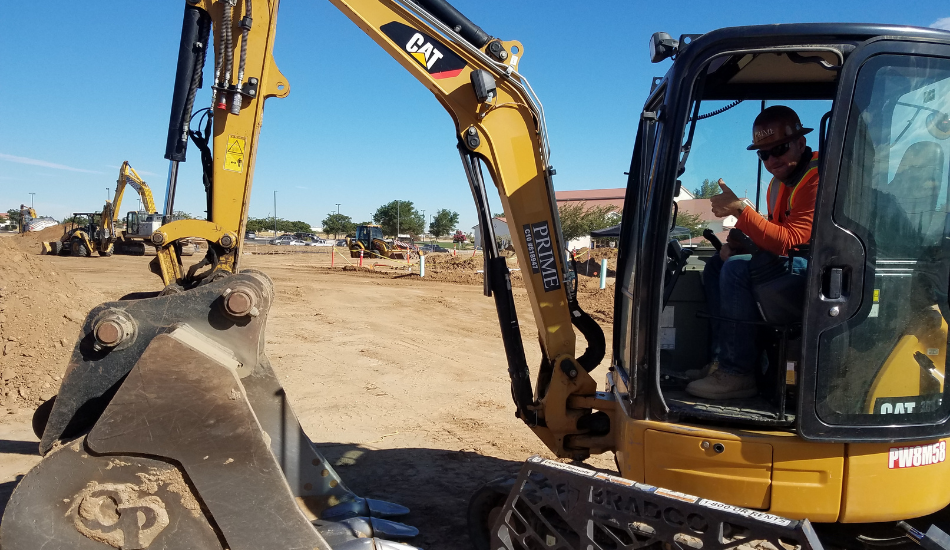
[[776, 151]]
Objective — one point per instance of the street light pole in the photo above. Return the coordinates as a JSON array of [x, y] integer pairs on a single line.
[[31, 199], [338, 208], [275, 213], [397, 219]]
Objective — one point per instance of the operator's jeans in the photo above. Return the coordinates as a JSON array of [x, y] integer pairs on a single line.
[[729, 295]]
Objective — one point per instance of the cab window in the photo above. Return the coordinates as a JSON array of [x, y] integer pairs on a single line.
[[887, 363]]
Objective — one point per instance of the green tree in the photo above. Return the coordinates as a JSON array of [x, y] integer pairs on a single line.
[[14, 214], [443, 222], [338, 224], [692, 222], [399, 217], [578, 220], [182, 215], [77, 220], [709, 188], [294, 226], [258, 224]]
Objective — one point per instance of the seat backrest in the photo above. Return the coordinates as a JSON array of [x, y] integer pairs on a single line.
[[916, 185]]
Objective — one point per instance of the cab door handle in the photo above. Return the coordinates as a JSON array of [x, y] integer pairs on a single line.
[[835, 282]]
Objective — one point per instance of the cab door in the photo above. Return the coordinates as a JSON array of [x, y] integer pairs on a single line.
[[875, 326]]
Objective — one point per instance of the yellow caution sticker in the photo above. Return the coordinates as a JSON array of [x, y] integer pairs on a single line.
[[234, 157], [877, 295]]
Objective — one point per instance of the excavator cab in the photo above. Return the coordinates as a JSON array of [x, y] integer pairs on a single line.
[[851, 372]]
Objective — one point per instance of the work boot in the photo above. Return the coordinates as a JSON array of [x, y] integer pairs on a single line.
[[723, 385], [696, 374]]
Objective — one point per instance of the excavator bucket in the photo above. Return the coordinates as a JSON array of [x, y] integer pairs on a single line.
[[171, 429]]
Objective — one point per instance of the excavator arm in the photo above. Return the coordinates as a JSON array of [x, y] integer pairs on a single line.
[[499, 126]]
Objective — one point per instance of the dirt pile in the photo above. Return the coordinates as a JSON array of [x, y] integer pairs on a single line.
[[41, 311], [31, 242]]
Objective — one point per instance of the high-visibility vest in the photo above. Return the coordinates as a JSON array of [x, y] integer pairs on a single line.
[[775, 186]]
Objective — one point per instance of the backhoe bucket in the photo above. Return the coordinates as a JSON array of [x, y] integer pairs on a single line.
[[170, 428]]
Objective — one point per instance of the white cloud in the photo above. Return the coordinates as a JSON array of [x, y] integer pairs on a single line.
[[43, 163], [942, 23]]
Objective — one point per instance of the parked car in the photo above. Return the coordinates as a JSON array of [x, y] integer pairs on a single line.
[[432, 248], [250, 235], [306, 237], [287, 240], [320, 242], [341, 242]]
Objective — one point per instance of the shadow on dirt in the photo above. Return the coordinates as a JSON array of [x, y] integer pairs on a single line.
[[6, 489], [435, 484], [8, 446]]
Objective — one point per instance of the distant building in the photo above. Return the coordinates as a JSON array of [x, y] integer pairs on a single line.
[[502, 233]]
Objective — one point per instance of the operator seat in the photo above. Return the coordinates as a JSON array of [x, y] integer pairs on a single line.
[[916, 185]]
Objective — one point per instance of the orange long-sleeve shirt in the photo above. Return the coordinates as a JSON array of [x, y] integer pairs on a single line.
[[790, 215]]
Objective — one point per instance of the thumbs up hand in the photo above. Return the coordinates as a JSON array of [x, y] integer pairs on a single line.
[[726, 203]]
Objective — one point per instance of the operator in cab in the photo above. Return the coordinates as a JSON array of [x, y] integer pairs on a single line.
[[779, 140]]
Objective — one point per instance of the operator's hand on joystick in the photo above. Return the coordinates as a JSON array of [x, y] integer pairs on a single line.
[[726, 203]]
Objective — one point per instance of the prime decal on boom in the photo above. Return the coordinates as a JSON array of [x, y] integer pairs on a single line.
[[541, 254], [435, 57]]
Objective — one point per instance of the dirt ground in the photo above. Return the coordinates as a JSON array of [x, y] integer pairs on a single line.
[[402, 382]]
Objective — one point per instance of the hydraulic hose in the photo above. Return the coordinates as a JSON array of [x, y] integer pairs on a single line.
[[453, 18], [226, 24], [236, 97]]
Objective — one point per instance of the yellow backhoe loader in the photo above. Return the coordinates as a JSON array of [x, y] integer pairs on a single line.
[[370, 243], [171, 430]]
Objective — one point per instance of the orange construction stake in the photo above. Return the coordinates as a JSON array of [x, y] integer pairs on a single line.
[[332, 256], [361, 258]]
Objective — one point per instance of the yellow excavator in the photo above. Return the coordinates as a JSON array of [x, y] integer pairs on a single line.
[[139, 224], [27, 214], [171, 430]]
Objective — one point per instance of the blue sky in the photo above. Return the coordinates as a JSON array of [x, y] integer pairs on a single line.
[[85, 89]]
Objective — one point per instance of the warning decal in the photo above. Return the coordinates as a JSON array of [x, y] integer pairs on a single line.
[[234, 157]]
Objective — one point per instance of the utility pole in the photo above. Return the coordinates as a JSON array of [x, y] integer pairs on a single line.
[[275, 213], [397, 219], [338, 208]]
